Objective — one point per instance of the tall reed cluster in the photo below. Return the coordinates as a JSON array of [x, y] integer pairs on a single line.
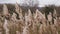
[[35, 23]]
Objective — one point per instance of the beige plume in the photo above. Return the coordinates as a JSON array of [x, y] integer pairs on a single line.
[[5, 10]]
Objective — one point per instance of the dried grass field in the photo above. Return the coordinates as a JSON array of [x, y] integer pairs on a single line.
[[35, 23]]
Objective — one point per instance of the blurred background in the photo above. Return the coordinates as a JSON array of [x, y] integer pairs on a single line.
[[41, 2]]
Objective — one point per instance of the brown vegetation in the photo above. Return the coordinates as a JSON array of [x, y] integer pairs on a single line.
[[28, 23]]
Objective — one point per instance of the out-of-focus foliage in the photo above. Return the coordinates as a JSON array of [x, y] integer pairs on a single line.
[[31, 3]]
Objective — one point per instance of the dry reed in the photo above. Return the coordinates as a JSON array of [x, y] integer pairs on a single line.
[[29, 23]]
